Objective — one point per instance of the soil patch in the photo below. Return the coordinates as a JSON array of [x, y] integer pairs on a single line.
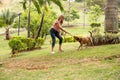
[[27, 64], [112, 57], [45, 63]]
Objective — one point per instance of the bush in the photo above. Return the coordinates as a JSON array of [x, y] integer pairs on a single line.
[[65, 39], [30, 43], [96, 31], [39, 42], [15, 44], [22, 43], [108, 38], [68, 39], [98, 39], [35, 22], [119, 23], [95, 25], [111, 38]]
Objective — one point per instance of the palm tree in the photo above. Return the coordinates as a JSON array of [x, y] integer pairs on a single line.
[[111, 16], [39, 4], [44, 5], [7, 18], [37, 7], [29, 19], [0, 2]]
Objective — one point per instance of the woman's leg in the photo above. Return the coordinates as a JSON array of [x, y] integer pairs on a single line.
[[60, 41], [53, 39]]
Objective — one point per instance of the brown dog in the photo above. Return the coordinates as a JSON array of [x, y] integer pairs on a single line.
[[84, 40]]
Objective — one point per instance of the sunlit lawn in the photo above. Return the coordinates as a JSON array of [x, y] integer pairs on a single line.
[[85, 64]]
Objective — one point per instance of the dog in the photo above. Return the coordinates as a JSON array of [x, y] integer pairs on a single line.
[[88, 41]]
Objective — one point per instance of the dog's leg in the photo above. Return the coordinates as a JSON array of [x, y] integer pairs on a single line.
[[79, 47], [86, 45], [91, 39], [92, 44]]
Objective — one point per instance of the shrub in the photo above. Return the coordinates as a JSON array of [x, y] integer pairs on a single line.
[[22, 43], [97, 39], [68, 39], [30, 43], [95, 25], [112, 38], [119, 25], [96, 31], [108, 38], [39, 42], [65, 39], [15, 44], [35, 21]]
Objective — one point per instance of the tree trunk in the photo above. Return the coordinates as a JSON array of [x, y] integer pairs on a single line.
[[111, 16], [40, 27], [7, 33], [29, 19]]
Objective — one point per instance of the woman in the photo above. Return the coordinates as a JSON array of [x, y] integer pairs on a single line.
[[55, 32]]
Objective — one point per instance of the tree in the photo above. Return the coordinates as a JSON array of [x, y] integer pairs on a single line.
[[39, 4], [78, 0], [111, 16], [48, 22], [0, 2], [74, 14], [101, 3], [35, 19], [29, 18], [94, 13], [118, 3], [35, 2], [57, 2], [6, 19]]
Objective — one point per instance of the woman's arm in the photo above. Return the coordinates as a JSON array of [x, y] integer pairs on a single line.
[[59, 26]]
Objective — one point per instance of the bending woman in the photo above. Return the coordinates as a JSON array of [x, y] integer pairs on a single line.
[[55, 32]]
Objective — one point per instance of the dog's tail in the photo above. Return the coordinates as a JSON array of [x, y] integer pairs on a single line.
[[91, 38], [90, 34]]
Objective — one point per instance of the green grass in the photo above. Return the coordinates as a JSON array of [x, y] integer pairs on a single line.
[[85, 64]]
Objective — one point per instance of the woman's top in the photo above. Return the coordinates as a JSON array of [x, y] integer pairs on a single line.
[[56, 27]]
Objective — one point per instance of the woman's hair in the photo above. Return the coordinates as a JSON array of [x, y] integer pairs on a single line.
[[61, 18]]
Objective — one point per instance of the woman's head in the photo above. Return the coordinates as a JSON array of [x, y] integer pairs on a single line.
[[61, 18]]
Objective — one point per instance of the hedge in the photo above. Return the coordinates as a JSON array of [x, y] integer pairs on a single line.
[[95, 25], [23, 43], [98, 39], [108, 38]]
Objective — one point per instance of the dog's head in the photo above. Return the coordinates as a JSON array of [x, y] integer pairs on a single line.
[[76, 38]]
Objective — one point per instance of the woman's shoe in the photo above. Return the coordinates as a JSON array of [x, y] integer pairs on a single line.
[[61, 51], [52, 52]]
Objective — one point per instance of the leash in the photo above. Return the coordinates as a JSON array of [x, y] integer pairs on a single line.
[[70, 34]]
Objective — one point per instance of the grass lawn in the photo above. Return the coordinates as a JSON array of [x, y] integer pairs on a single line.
[[93, 63]]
